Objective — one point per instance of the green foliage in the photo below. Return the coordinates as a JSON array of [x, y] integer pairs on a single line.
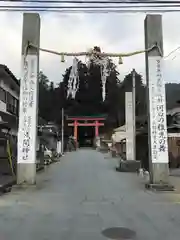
[[43, 80], [172, 94], [88, 99]]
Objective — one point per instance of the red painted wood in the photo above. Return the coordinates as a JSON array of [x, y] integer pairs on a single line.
[[85, 119], [75, 129], [97, 129], [86, 124]]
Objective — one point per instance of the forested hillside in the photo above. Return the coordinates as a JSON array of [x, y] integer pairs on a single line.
[[88, 99]]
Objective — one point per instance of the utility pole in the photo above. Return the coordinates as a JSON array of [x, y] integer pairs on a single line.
[[62, 131], [157, 124], [134, 111]]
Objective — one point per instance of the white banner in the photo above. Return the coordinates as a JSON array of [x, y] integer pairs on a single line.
[[27, 133], [157, 108]]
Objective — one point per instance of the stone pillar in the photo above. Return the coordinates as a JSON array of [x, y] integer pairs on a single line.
[[131, 164], [129, 126], [62, 131], [157, 125], [134, 110], [27, 135]]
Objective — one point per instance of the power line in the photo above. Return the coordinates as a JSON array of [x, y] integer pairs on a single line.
[[84, 7], [94, 2], [91, 1], [100, 11], [116, 7], [173, 51]]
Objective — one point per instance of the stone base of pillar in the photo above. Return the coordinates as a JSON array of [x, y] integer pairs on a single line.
[[26, 173], [19, 187], [159, 181], [128, 166], [159, 187]]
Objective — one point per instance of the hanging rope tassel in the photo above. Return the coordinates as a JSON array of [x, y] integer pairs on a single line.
[[120, 60], [62, 58]]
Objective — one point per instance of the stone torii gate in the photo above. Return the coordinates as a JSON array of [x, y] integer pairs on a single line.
[[158, 148]]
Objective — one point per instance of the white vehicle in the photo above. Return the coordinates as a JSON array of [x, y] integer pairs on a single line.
[[47, 156]]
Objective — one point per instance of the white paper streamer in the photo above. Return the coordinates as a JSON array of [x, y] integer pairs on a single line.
[[104, 75], [73, 82], [103, 63]]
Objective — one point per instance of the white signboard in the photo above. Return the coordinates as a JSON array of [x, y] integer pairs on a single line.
[[59, 147], [174, 134], [28, 111], [157, 108], [129, 127]]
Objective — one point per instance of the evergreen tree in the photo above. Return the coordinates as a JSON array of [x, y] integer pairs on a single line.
[[88, 100], [43, 96]]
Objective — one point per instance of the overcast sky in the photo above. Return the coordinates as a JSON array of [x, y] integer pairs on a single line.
[[79, 32]]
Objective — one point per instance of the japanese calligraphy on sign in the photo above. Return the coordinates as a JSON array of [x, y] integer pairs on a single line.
[[157, 111], [28, 106]]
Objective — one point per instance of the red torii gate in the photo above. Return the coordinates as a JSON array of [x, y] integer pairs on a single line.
[[84, 121]]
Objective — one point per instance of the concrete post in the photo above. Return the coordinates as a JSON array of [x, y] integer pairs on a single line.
[[158, 146], [131, 164], [62, 131], [134, 110], [27, 135], [129, 126]]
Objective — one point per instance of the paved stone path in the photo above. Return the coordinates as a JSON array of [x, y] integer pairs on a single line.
[[81, 196]]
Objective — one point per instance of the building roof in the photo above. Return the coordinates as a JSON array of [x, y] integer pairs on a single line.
[[9, 119], [173, 111], [175, 126], [120, 129], [7, 70]]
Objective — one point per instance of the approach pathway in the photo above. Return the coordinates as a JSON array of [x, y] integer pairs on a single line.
[[82, 195]]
